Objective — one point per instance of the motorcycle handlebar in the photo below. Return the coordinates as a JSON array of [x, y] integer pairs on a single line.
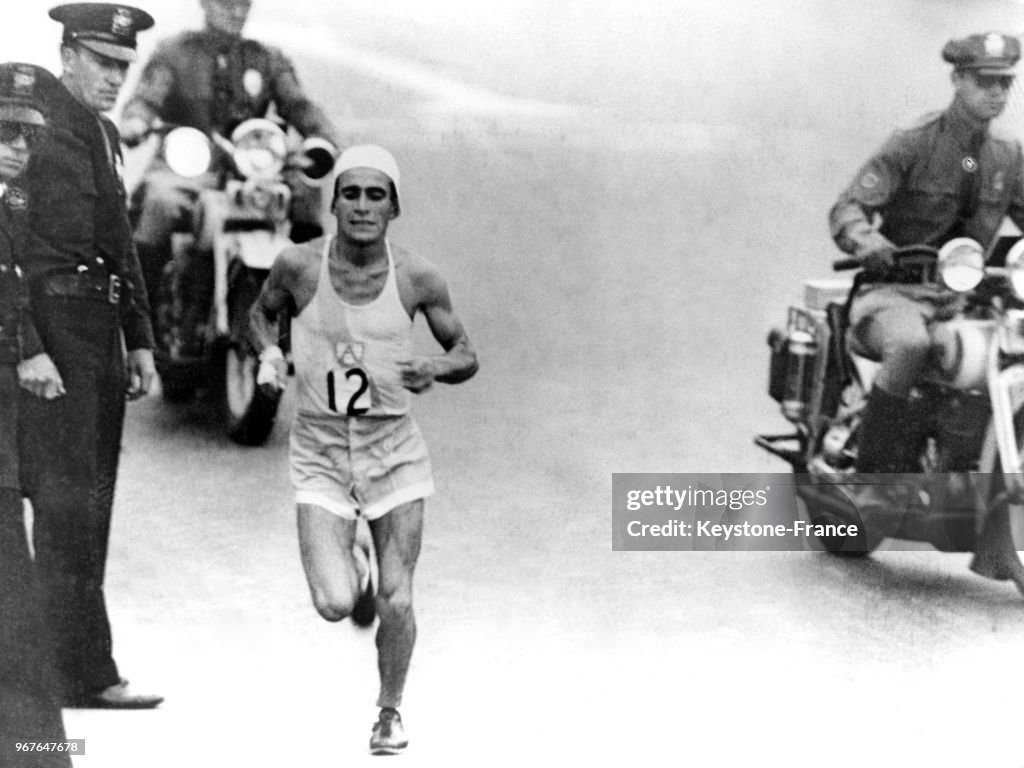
[[841, 265]]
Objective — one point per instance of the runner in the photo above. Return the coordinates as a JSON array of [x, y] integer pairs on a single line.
[[355, 450]]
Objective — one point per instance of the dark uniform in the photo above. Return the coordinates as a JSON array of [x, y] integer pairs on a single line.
[[89, 303], [945, 177], [31, 708], [213, 81], [939, 179]]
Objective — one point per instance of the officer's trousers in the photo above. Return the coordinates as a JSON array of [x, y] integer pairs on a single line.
[[70, 451], [29, 697]]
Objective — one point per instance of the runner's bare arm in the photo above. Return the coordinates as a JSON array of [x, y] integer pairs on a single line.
[[459, 362], [273, 300]]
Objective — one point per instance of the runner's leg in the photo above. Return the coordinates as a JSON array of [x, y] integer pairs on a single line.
[[397, 536], [325, 543]]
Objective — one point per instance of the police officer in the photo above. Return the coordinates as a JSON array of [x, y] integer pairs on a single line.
[[31, 710], [946, 176], [89, 304], [213, 80]]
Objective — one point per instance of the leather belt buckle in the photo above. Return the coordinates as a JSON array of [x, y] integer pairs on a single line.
[[114, 290]]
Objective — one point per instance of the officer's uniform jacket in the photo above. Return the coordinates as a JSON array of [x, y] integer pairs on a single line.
[[213, 82], [15, 320], [18, 337], [919, 182], [79, 222]]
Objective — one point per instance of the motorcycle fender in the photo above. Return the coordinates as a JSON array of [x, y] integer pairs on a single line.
[[1007, 394], [259, 248]]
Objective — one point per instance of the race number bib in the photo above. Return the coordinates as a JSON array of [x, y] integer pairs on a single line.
[[348, 386], [348, 391]]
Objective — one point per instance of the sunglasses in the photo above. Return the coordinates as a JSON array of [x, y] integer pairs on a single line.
[[10, 131], [988, 81]]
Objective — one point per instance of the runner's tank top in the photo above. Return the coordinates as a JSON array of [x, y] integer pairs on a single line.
[[346, 355]]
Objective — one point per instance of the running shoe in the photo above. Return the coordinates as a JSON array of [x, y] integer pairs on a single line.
[[388, 734], [365, 609]]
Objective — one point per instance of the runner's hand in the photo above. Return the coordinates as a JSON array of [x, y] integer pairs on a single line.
[[273, 370], [417, 374]]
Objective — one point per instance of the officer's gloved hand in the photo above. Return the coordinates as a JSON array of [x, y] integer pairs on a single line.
[[40, 376], [134, 131], [874, 250]]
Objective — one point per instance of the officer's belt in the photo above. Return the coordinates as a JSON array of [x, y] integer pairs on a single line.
[[83, 285]]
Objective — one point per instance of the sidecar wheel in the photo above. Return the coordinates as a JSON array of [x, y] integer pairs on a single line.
[[249, 410], [821, 512]]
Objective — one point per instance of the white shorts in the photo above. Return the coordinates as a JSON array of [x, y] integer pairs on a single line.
[[359, 466]]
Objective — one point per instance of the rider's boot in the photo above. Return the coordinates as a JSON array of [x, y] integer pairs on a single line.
[[152, 259], [889, 445]]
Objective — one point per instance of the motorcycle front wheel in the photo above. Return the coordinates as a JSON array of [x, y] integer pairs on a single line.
[[249, 410]]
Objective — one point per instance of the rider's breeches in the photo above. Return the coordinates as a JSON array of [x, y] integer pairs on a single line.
[[893, 329], [166, 204]]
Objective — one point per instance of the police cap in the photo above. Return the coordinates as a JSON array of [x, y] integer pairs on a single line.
[[990, 54], [105, 28], [19, 95]]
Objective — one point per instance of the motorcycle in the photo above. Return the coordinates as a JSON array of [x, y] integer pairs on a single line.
[[201, 312], [967, 494]]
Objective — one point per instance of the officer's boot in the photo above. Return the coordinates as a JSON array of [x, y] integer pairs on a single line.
[[152, 259], [889, 446]]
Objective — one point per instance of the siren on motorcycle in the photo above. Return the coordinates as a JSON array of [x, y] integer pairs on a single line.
[[187, 152], [260, 148], [318, 161], [962, 264]]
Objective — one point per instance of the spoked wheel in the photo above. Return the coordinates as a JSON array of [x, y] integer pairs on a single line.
[[998, 546], [249, 410]]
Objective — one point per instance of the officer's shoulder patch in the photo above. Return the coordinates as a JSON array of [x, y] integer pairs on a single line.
[[872, 185]]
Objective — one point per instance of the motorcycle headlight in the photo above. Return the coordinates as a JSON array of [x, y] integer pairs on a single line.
[[260, 148], [187, 152], [962, 263], [1015, 267]]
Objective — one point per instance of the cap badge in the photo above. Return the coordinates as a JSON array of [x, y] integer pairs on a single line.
[[969, 164], [24, 80], [869, 180], [252, 81], [122, 23], [995, 45]]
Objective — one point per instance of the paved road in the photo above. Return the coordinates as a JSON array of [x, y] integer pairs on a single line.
[[624, 197]]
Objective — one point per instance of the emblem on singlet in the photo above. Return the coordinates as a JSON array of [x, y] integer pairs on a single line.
[[349, 354]]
